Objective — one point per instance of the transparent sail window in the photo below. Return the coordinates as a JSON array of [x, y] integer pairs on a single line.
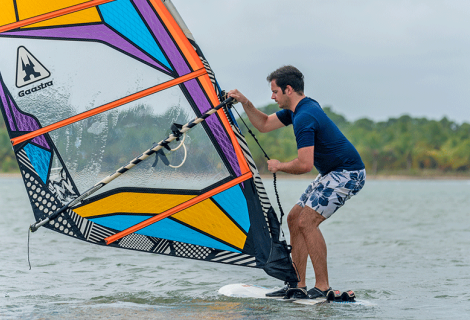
[[96, 147]]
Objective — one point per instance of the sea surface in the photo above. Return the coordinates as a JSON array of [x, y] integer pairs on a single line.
[[403, 246]]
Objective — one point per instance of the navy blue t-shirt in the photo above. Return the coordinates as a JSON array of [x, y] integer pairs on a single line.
[[312, 127]]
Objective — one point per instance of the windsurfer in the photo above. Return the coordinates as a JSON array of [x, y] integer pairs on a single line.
[[321, 144]]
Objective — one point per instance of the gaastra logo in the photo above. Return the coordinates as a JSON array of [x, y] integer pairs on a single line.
[[22, 93], [29, 69]]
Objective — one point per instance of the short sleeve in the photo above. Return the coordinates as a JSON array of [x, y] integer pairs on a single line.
[[285, 117], [305, 137], [304, 130]]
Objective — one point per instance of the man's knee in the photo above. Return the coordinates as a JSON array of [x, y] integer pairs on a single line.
[[293, 216], [309, 219]]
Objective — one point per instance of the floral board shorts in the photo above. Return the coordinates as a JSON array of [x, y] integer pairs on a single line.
[[328, 193]]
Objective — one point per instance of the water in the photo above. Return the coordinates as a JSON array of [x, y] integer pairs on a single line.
[[401, 245]]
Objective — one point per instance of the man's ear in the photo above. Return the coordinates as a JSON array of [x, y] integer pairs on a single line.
[[289, 89]]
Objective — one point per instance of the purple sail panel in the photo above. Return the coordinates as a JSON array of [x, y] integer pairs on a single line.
[[41, 141], [214, 124], [5, 104], [163, 37], [24, 122], [92, 33], [28, 124]]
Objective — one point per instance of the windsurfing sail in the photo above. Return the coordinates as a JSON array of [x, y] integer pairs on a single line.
[[86, 86]]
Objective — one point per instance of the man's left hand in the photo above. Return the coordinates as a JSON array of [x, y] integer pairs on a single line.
[[273, 165]]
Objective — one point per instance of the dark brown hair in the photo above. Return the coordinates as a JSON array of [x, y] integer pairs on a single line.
[[288, 75]]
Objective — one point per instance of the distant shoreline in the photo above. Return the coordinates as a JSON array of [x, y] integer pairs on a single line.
[[311, 177], [378, 177], [10, 175]]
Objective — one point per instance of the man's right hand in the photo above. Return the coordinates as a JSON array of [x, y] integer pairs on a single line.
[[237, 95], [260, 120]]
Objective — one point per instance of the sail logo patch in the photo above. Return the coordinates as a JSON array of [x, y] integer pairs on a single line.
[[29, 69]]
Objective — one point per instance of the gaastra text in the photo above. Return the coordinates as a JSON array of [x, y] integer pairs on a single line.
[[22, 93]]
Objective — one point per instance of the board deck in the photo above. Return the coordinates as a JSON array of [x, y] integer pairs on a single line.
[[242, 290]]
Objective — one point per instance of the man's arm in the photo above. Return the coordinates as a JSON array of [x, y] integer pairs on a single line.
[[302, 164], [260, 120]]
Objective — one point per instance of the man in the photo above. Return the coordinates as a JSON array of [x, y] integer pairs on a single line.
[[321, 144]]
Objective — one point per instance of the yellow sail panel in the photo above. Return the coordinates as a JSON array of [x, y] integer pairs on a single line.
[[33, 8], [207, 217], [85, 16], [132, 202], [7, 12]]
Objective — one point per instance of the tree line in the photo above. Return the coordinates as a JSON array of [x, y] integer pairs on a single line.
[[403, 145]]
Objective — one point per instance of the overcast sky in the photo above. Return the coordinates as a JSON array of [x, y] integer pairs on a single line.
[[365, 58]]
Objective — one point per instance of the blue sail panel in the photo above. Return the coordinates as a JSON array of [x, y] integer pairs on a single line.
[[40, 159], [234, 204], [132, 27]]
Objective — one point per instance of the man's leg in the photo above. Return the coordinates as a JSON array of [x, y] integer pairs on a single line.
[[306, 237], [308, 223], [299, 249]]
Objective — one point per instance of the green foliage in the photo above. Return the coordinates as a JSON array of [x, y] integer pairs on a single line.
[[7, 157], [400, 145]]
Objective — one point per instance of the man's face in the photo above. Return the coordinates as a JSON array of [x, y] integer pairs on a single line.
[[281, 98]]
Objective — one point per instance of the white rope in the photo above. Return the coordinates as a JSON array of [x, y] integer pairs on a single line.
[[181, 143], [185, 152]]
